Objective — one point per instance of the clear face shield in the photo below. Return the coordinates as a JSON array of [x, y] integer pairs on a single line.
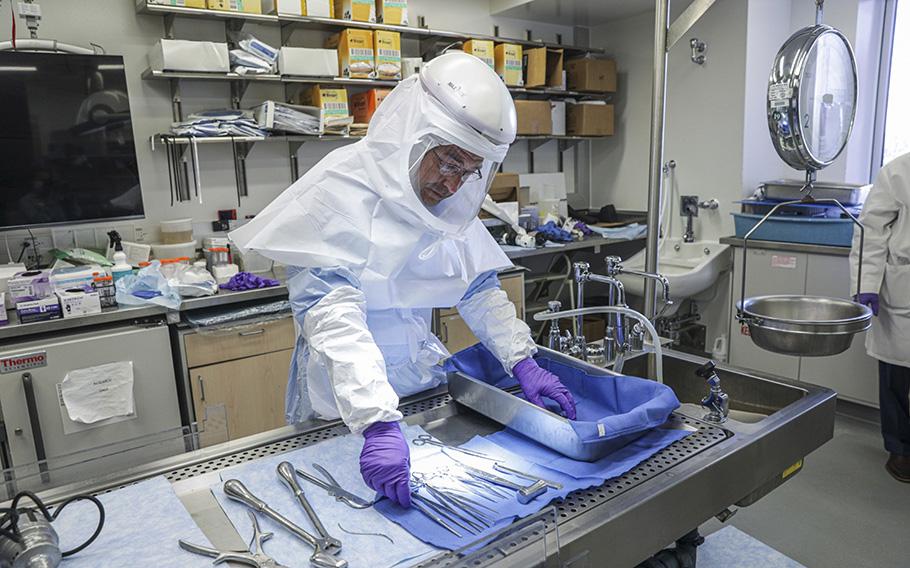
[[449, 181]]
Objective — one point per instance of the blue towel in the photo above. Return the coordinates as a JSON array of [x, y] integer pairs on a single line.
[[522, 454], [617, 408]]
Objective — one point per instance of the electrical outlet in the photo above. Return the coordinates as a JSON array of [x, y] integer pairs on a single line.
[[139, 234]]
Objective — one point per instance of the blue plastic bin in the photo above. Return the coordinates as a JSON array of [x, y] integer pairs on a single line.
[[806, 230]]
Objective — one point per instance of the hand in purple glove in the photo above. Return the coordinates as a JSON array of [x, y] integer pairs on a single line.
[[385, 462], [870, 300], [536, 382]]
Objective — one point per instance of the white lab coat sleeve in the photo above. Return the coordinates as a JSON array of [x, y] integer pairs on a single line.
[[335, 330], [879, 214], [492, 317]]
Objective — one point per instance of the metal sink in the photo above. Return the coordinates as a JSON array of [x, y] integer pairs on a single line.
[[752, 397]]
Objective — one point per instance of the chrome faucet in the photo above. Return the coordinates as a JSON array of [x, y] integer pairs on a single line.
[[614, 335], [689, 206], [717, 402], [615, 268]]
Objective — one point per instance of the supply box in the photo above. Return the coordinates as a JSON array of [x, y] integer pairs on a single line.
[[308, 62], [591, 74], [245, 6], [534, 117], [507, 59], [364, 104], [558, 117], [506, 187], [355, 53], [410, 66], [184, 55], [589, 119], [316, 8], [180, 3], [39, 310], [78, 302], [333, 102], [543, 67], [357, 10], [387, 47], [29, 285], [483, 49], [393, 12]]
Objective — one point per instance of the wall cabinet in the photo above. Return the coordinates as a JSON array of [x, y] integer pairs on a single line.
[[853, 374], [454, 332]]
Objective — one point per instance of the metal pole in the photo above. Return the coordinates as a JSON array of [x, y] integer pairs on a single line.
[[655, 177]]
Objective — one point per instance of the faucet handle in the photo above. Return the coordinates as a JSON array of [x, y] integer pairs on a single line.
[[614, 265], [582, 269], [554, 305]]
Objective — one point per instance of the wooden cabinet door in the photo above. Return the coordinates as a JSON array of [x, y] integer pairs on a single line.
[[208, 348], [248, 393]]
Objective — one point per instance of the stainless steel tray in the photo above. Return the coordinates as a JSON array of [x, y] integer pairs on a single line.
[[787, 190], [538, 424]]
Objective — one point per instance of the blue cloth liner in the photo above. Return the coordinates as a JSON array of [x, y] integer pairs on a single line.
[[522, 454], [142, 525], [340, 456], [608, 408]]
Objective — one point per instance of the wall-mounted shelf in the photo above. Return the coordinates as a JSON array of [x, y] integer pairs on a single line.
[[161, 139], [151, 75], [332, 24]]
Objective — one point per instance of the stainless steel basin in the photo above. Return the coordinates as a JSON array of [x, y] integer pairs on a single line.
[[750, 394]]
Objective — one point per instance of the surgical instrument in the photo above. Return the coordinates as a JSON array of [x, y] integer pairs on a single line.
[[289, 477], [380, 535], [444, 512], [424, 439], [504, 469], [235, 490], [334, 489], [254, 556], [417, 503], [525, 493]]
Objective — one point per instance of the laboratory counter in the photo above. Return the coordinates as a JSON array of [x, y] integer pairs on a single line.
[[787, 247], [15, 330]]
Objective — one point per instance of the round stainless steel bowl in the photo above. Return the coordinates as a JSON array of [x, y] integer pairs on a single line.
[[807, 326]]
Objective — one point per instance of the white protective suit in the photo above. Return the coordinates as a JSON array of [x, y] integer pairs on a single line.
[[886, 262], [374, 260]]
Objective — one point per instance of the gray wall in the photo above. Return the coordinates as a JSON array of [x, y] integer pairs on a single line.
[[115, 25]]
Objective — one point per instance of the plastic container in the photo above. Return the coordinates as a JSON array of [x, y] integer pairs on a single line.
[[121, 267], [104, 285], [251, 261], [165, 250], [805, 230], [176, 231]]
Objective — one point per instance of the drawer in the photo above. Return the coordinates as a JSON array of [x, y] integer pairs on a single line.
[[514, 287], [208, 348]]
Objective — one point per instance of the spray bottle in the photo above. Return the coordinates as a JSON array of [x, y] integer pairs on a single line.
[[121, 267]]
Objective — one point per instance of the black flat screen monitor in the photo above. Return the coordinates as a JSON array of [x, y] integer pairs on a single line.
[[66, 140]]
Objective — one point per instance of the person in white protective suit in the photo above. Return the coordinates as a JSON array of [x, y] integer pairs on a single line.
[[885, 288], [378, 234]]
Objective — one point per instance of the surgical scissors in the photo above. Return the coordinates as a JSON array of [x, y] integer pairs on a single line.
[[425, 439], [254, 556], [334, 489]]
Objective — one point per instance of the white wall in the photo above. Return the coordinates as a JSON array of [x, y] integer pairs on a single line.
[[115, 25]]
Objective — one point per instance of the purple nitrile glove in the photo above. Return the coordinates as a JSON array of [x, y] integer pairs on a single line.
[[867, 299], [385, 462], [536, 382]]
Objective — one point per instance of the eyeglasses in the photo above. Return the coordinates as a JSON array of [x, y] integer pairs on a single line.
[[451, 169]]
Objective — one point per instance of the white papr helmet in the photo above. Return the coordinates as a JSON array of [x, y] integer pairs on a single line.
[[473, 93]]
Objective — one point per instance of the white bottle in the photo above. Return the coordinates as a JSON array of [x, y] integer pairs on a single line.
[[121, 268]]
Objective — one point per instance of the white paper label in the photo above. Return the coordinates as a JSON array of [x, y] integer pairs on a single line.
[[779, 95], [70, 427], [783, 261], [99, 393], [601, 430]]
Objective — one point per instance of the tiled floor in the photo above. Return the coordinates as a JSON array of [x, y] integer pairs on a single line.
[[842, 510]]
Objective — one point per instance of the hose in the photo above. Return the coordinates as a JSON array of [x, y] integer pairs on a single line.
[[658, 350]]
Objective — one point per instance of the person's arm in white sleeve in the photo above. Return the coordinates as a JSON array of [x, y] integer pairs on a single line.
[[492, 317], [879, 213], [331, 310]]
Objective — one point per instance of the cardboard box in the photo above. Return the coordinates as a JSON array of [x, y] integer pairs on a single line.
[[78, 302], [183, 55], [483, 49], [589, 119], [591, 74], [29, 285], [410, 66], [504, 187], [393, 12], [543, 67], [180, 3], [364, 104], [4, 319], [534, 117], [308, 62], [245, 6], [507, 59], [39, 310], [355, 53], [357, 10], [318, 8], [387, 49], [558, 117], [333, 102]]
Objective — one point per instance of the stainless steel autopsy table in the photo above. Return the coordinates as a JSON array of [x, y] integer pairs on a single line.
[[620, 523]]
